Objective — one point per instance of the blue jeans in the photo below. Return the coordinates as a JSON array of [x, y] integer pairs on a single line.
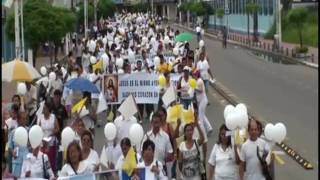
[[185, 102], [206, 84]]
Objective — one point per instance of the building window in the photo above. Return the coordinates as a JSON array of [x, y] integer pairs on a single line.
[[271, 3]]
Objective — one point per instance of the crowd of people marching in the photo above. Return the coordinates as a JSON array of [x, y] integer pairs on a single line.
[[116, 42]]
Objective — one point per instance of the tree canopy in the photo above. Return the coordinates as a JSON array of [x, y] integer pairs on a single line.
[[42, 23], [105, 8]]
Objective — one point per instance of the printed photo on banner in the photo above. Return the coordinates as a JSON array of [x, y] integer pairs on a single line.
[[111, 88]]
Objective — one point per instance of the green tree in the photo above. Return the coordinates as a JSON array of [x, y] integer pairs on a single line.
[[298, 16], [42, 23], [105, 8], [252, 8], [220, 15]]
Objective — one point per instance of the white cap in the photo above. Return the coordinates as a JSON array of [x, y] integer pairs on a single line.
[[187, 68]]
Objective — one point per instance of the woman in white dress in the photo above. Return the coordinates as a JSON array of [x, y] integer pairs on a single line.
[[75, 165], [88, 154], [224, 159], [204, 68], [50, 126]]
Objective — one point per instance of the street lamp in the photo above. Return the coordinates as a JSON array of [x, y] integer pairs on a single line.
[[86, 19]]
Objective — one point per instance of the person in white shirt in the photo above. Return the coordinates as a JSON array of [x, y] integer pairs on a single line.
[[123, 126], [36, 165], [204, 68], [50, 126], [202, 101], [125, 147], [163, 149], [224, 159], [198, 30], [89, 155], [154, 168], [250, 166], [75, 165], [12, 123]]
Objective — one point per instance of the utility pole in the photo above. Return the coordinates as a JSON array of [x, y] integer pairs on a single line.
[[226, 12], [86, 19], [152, 8], [95, 11], [17, 29]]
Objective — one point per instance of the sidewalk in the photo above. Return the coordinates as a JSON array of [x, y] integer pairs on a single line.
[[265, 45]]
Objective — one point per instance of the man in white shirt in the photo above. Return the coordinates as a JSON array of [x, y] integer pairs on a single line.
[[163, 149], [154, 168], [123, 126], [250, 166], [198, 30], [12, 123], [30, 100]]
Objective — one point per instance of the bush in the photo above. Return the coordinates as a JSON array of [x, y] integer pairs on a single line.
[[303, 49]]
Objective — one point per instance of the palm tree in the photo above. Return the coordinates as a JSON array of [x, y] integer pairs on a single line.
[[220, 14], [252, 8]]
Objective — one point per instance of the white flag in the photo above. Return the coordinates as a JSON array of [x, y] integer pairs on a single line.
[[128, 108], [84, 111], [39, 111], [169, 96], [102, 105], [103, 157]]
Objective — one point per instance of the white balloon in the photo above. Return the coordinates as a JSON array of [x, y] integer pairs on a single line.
[[280, 132], [52, 76], [231, 120], [176, 51], [242, 107], [201, 43], [229, 108], [119, 62], [67, 136], [110, 131], [93, 60], [156, 61], [43, 70], [243, 121], [136, 134], [120, 71], [21, 136], [268, 131], [35, 136], [21, 88]]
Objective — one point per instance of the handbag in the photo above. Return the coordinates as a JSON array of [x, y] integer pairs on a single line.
[[203, 172], [265, 168], [45, 172]]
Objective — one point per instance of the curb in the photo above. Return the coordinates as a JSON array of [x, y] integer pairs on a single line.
[[308, 64]]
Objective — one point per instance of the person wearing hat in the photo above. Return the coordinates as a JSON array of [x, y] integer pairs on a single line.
[[183, 87]]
